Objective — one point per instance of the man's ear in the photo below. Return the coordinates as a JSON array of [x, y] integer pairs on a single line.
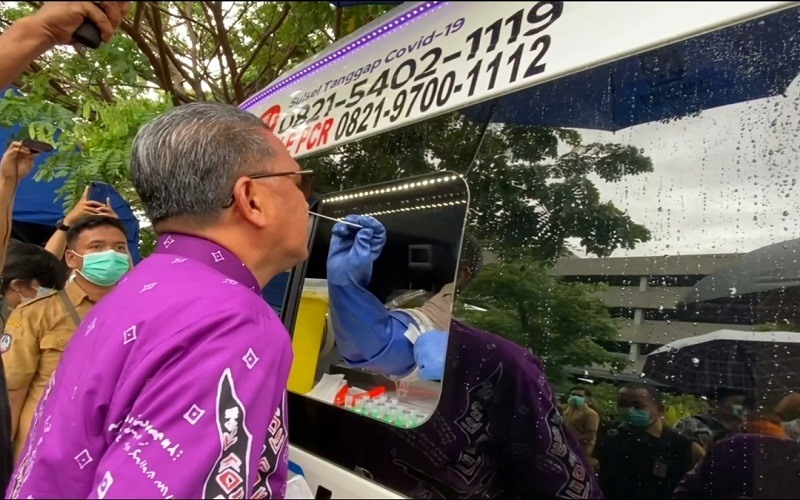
[[250, 202], [71, 259], [15, 285]]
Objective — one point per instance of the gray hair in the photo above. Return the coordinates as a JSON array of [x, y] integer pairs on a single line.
[[185, 162]]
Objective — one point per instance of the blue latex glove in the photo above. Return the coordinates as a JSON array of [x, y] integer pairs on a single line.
[[352, 251], [430, 352], [367, 335]]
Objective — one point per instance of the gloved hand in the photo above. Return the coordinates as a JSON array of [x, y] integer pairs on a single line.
[[352, 251], [430, 352]]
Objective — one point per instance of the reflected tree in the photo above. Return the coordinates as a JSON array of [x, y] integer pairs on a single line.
[[527, 198], [560, 322], [531, 191]]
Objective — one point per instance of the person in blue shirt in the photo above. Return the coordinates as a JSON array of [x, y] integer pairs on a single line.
[[406, 343]]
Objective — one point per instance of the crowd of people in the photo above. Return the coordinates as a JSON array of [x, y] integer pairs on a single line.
[[46, 294], [742, 446]]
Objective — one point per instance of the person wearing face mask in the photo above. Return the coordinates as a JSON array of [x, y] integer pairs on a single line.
[[643, 457], [30, 273], [723, 418], [762, 461], [582, 420], [38, 332]]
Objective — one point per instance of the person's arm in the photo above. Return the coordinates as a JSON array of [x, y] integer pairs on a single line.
[[699, 482], [16, 164], [592, 424], [698, 452], [544, 460], [367, 334], [210, 416], [57, 244], [20, 360], [53, 24]]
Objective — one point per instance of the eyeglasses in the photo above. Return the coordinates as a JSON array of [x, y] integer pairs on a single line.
[[304, 185]]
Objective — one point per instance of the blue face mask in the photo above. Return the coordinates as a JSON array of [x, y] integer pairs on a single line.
[[736, 410], [577, 401], [636, 418]]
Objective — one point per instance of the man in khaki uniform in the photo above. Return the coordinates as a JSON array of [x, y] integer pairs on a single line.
[[581, 420], [38, 332]]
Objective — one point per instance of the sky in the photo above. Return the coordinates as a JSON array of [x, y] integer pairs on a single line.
[[725, 181]]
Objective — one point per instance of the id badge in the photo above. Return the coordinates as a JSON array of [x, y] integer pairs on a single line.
[[660, 469]]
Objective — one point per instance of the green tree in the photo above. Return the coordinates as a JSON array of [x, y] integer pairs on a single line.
[[527, 197], [560, 322], [90, 103]]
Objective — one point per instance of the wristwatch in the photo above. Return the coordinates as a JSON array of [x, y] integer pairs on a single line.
[[60, 226]]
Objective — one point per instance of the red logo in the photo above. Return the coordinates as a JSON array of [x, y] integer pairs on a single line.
[[270, 117]]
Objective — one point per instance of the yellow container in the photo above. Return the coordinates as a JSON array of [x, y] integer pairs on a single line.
[[308, 335]]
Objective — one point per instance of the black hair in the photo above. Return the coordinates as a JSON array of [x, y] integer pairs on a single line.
[[28, 262], [582, 388], [92, 222], [651, 390]]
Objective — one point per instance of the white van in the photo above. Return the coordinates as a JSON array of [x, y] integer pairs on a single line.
[[708, 91]]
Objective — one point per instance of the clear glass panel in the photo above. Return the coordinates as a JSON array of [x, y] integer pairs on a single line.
[[423, 217]]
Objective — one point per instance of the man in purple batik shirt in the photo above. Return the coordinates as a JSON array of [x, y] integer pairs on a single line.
[[175, 384]]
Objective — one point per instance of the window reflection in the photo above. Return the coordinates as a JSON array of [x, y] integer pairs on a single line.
[[603, 201]]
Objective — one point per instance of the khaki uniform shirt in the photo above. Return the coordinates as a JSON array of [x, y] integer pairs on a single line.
[[583, 422], [36, 334], [438, 308]]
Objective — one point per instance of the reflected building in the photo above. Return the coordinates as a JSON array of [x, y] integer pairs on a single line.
[[646, 294]]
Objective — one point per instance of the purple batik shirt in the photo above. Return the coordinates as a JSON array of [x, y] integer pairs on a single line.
[[174, 386]]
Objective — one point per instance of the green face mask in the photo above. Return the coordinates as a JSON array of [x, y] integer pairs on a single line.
[[636, 418], [104, 268], [577, 401], [736, 410]]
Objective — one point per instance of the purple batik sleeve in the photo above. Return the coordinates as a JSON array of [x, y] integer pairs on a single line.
[[547, 459]]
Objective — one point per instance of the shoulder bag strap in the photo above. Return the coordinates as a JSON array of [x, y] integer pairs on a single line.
[[70, 308]]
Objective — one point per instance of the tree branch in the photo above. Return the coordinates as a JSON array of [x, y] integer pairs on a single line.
[[138, 38], [337, 23], [266, 37], [163, 60], [226, 95], [257, 82], [137, 16], [194, 43], [183, 16], [216, 10]]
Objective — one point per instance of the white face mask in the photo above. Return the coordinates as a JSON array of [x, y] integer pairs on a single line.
[[40, 292]]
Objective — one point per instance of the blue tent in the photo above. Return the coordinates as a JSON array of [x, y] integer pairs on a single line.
[[36, 209]]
